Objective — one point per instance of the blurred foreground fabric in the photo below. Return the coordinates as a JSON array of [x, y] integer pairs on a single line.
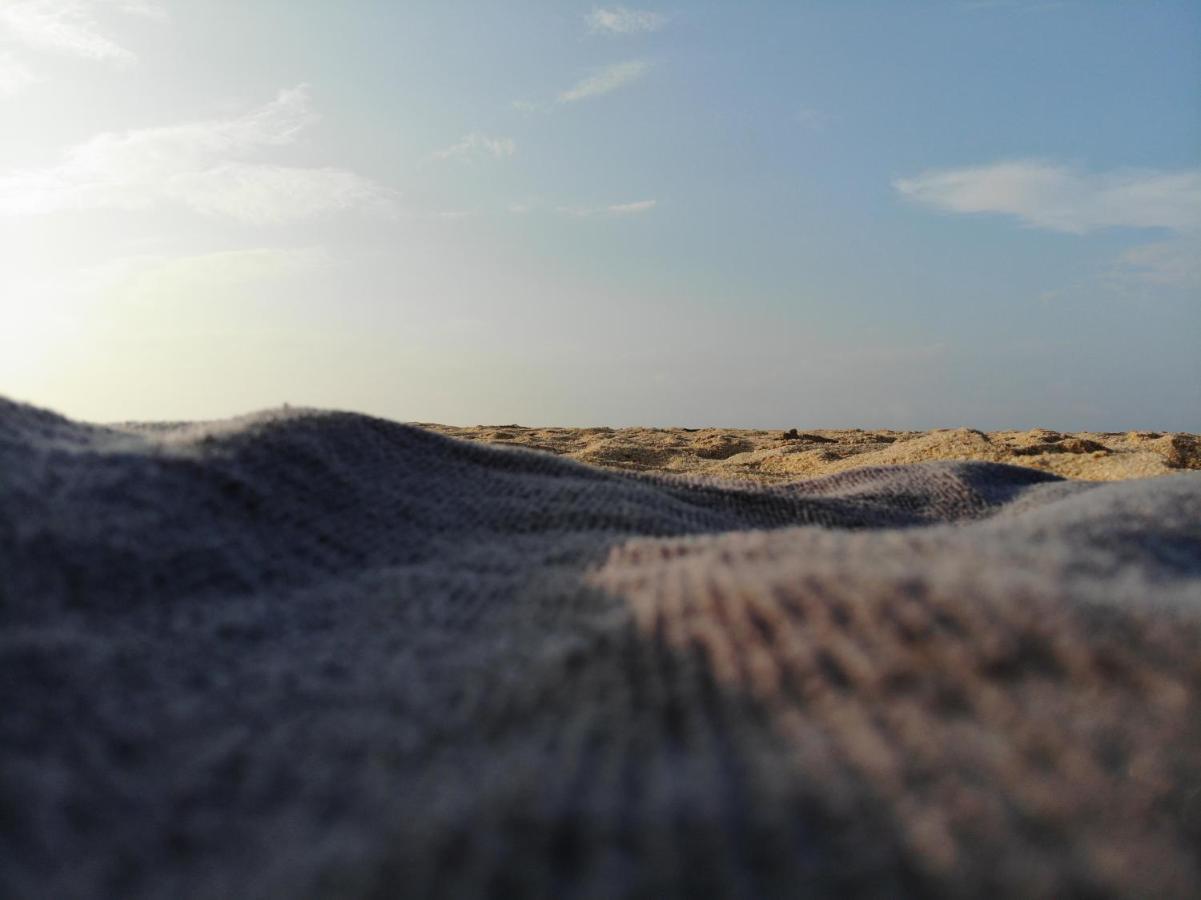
[[310, 654]]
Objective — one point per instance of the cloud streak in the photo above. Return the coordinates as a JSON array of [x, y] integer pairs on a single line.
[[1167, 264], [70, 26], [619, 20], [631, 209], [478, 146], [605, 81], [1061, 198], [199, 165], [634, 208]]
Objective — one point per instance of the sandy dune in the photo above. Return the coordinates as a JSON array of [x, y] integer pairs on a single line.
[[774, 455]]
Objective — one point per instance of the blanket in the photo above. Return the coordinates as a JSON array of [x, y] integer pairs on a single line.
[[316, 654]]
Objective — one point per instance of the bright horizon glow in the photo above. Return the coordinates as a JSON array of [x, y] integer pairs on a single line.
[[879, 215]]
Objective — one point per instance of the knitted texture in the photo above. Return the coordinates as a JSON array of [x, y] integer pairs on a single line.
[[307, 654]]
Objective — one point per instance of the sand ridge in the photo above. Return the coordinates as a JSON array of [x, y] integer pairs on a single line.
[[774, 455]]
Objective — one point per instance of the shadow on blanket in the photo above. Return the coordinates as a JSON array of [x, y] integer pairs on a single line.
[[317, 654]]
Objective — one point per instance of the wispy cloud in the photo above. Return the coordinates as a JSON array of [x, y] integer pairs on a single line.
[[15, 76], [70, 26], [477, 146], [1174, 263], [149, 9], [1064, 199], [199, 165], [620, 20], [630, 209], [267, 195], [605, 81], [1061, 198], [615, 209]]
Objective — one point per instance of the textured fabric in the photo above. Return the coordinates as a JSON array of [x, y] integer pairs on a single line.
[[321, 655]]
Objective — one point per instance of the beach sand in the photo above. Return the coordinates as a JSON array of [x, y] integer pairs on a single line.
[[776, 455]]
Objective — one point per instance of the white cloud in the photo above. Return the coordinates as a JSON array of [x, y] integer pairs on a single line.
[[606, 80], [629, 209], [267, 195], [476, 145], [199, 165], [70, 26], [14, 76], [1060, 198], [620, 20], [146, 8], [614, 209]]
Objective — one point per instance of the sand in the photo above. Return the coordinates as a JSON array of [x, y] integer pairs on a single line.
[[777, 455]]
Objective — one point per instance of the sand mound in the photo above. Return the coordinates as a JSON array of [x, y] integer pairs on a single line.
[[716, 444], [776, 455]]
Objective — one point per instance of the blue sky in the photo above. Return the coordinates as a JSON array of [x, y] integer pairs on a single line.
[[761, 214]]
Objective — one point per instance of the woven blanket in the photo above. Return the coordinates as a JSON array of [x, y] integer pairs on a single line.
[[310, 654]]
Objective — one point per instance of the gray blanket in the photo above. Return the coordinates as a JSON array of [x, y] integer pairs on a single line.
[[310, 654]]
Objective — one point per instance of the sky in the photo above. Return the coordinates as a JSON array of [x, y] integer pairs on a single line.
[[809, 214]]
